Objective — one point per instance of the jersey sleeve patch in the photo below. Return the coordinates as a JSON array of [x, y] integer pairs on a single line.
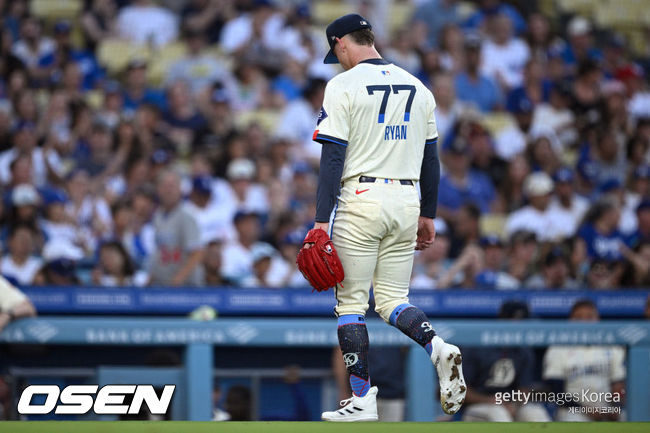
[[322, 115]]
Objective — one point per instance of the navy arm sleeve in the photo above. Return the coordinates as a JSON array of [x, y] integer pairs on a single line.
[[429, 179], [329, 179]]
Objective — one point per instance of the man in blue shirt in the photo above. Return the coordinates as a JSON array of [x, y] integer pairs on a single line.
[[461, 185], [471, 85]]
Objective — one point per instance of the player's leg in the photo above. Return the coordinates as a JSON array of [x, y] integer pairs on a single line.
[[391, 286], [356, 238]]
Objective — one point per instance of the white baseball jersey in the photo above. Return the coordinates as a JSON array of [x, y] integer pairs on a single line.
[[585, 367], [384, 116]]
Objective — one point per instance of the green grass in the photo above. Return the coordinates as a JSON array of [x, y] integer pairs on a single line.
[[312, 427]]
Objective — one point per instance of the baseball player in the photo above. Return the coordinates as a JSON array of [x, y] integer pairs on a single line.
[[378, 136]]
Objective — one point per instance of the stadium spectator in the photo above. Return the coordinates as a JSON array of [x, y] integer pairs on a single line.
[[460, 184], [32, 45], [491, 275], [98, 22], [573, 369], [554, 272], [511, 194], [246, 195], [60, 265], [179, 251], [452, 49], [143, 22], [536, 217], [45, 161], [472, 87], [20, 264], [490, 8], [600, 231], [14, 304], [209, 217], [448, 108], [198, 68], [114, 267], [183, 123], [402, 52], [212, 260], [430, 18], [269, 268], [567, 206], [503, 55], [206, 17], [556, 114], [466, 228], [432, 263], [238, 254], [297, 121], [522, 254], [501, 369], [580, 47]]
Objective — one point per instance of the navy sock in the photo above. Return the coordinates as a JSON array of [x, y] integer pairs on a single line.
[[353, 339], [414, 323]]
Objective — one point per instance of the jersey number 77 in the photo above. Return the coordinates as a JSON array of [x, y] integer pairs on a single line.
[[386, 88]]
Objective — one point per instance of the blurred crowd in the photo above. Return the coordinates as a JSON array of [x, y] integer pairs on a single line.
[[116, 171]]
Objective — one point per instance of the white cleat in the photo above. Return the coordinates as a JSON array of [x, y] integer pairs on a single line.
[[355, 409], [448, 361]]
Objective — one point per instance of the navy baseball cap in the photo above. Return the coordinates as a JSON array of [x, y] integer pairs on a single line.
[[202, 184], [341, 27]]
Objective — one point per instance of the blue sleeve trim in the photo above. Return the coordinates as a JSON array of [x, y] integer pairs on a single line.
[[431, 141], [321, 137]]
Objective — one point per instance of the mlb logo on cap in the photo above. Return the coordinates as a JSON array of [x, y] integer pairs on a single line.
[[341, 27]]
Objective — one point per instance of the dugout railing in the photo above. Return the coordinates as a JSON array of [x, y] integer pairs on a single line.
[[198, 339]]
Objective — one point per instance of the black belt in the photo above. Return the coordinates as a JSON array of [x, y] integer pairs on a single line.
[[366, 179]]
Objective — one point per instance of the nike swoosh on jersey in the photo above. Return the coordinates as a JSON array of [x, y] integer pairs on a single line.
[[357, 192]]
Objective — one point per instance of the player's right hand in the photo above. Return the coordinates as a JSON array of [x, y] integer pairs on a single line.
[[426, 233]]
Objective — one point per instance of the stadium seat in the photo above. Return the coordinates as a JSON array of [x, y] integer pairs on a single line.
[[493, 224], [55, 9], [115, 54], [327, 11], [267, 119], [162, 59], [582, 7]]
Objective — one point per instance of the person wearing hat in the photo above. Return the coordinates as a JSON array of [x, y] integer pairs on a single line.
[[211, 219], [566, 205], [377, 128], [246, 193], [472, 86], [581, 44], [460, 184], [535, 217]]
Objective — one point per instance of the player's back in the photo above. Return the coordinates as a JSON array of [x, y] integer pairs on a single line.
[[390, 115]]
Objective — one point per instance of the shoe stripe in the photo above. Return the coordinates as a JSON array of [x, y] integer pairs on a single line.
[[348, 411], [340, 412], [356, 408]]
